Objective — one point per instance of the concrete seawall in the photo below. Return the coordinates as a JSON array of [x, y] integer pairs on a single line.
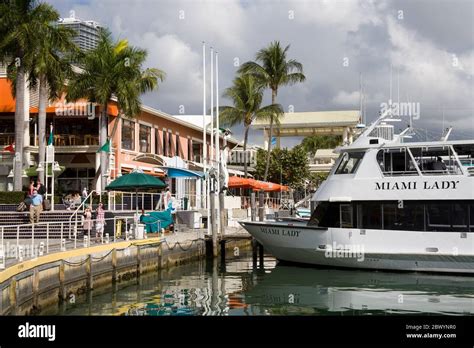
[[28, 287]]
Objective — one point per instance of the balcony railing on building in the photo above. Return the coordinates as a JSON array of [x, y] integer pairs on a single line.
[[62, 139]]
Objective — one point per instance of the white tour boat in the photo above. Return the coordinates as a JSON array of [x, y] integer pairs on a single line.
[[387, 204]]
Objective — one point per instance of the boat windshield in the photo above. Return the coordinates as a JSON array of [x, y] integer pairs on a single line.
[[349, 163]]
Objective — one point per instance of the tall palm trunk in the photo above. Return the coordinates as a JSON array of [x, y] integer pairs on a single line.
[[269, 149], [43, 100], [102, 139], [117, 120], [19, 129], [246, 135]]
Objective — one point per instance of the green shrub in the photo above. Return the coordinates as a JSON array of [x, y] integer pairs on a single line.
[[105, 198], [14, 197]]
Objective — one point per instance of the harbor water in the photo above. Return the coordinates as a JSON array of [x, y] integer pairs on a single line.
[[209, 287]]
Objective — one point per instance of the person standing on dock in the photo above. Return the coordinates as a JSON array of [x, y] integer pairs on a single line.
[[167, 198], [36, 207], [87, 222], [99, 223]]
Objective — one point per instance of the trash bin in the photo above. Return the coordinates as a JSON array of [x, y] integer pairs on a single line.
[[140, 231], [185, 203]]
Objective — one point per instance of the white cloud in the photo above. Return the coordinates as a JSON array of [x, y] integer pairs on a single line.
[[430, 73], [344, 98], [346, 15], [182, 66], [321, 34]]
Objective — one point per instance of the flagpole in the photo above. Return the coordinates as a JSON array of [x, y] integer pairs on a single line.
[[218, 188], [205, 183], [212, 107], [51, 140]]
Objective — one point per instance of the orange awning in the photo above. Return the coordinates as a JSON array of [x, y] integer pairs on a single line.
[[256, 185], [7, 103], [129, 170], [238, 182]]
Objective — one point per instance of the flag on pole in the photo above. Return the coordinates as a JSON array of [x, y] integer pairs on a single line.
[[105, 147], [9, 148], [51, 136]]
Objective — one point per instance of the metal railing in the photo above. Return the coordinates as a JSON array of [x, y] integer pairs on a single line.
[[28, 241], [152, 201], [128, 201], [269, 202], [81, 206]]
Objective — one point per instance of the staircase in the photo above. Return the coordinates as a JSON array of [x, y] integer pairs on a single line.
[[12, 207], [10, 220]]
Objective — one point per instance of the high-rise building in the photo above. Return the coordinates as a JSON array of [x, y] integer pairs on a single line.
[[87, 36]]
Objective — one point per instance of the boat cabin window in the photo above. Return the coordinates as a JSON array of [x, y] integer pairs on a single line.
[[445, 216], [325, 215], [396, 162], [346, 216], [403, 215], [465, 154], [437, 160], [369, 215], [471, 218], [349, 163]]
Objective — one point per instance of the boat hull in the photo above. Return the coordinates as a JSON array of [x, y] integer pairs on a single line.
[[445, 252]]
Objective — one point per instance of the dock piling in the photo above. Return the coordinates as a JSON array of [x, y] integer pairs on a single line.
[[261, 206], [213, 223], [253, 207], [254, 252], [260, 255]]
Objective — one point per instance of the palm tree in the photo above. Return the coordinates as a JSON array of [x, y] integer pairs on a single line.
[[19, 21], [113, 69], [274, 71], [313, 143], [50, 67], [246, 94]]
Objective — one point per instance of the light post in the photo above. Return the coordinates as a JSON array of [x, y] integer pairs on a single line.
[[54, 168], [12, 172]]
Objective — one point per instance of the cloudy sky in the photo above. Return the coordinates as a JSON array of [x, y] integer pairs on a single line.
[[428, 43]]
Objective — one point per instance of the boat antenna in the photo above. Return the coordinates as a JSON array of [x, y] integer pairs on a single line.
[[360, 97], [361, 123], [390, 98], [398, 91], [442, 112], [447, 134]]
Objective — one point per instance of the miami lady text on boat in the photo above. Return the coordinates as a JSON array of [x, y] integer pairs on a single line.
[[414, 185], [280, 232]]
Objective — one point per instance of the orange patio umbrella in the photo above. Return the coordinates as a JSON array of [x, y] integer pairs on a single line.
[[256, 185]]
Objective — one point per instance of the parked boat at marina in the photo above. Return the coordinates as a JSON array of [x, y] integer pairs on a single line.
[[387, 204]]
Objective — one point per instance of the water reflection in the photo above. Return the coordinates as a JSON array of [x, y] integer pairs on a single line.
[[212, 288], [292, 290]]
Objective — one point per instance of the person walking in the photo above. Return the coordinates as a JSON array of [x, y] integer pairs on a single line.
[[99, 223], [87, 223], [36, 207], [167, 198]]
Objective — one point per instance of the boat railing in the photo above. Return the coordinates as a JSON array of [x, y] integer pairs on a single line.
[[400, 173], [450, 170]]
